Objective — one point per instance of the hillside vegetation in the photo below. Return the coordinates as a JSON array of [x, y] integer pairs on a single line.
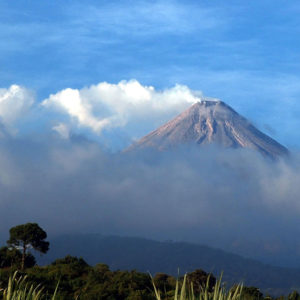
[[75, 279], [20, 276], [127, 253]]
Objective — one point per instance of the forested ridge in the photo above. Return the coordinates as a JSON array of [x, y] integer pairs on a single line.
[[126, 266]]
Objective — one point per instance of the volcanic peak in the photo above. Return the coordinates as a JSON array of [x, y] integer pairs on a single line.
[[210, 122]]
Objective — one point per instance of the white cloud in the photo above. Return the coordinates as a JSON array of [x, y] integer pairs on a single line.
[[71, 102], [108, 105], [14, 103], [63, 130]]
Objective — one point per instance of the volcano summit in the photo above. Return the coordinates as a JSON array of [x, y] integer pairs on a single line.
[[210, 122]]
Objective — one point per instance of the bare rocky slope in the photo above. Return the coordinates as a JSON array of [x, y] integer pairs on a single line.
[[209, 122]]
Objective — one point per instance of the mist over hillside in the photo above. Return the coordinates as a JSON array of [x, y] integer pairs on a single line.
[[234, 199]]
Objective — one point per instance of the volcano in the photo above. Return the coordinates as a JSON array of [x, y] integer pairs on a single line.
[[210, 122]]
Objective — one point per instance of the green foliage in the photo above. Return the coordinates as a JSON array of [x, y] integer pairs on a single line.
[[19, 289], [294, 296], [30, 234], [199, 278], [249, 293], [164, 282], [25, 236], [105, 284], [167, 257], [12, 257], [78, 279], [9, 257], [185, 291]]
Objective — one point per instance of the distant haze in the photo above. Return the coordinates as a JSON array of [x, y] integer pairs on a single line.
[[234, 199]]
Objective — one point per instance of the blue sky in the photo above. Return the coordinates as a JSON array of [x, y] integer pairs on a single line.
[[112, 71], [243, 52]]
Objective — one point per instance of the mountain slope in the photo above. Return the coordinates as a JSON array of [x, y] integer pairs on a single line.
[[145, 255], [209, 122]]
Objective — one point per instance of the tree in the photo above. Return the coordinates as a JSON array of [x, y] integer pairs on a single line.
[[12, 257], [199, 279], [252, 293], [27, 236], [164, 282], [9, 257]]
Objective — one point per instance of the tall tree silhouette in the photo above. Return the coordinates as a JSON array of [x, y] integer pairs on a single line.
[[27, 236]]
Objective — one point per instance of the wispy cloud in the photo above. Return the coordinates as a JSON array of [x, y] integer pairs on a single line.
[[107, 23], [144, 18], [88, 41]]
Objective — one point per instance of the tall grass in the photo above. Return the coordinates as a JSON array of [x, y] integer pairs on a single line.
[[186, 291], [19, 289]]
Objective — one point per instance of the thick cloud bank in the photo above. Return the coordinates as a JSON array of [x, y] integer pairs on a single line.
[[233, 199], [128, 105], [15, 102], [113, 105], [114, 114]]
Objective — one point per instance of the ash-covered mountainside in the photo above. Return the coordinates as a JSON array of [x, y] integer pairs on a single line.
[[209, 122]]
